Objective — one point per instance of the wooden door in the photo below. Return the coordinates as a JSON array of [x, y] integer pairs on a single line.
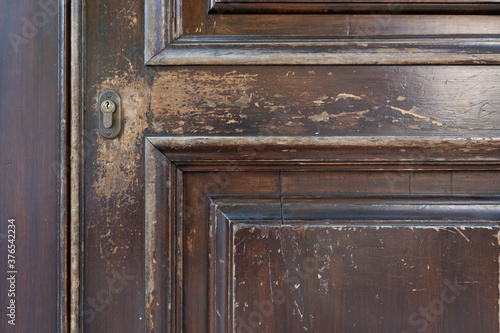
[[323, 166]]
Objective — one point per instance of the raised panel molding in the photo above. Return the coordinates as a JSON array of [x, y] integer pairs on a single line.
[[230, 214], [267, 33], [169, 160], [353, 7]]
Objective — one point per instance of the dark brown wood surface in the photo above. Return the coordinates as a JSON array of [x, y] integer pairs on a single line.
[[229, 221], [31, 99], [325, 100], [344, 279]]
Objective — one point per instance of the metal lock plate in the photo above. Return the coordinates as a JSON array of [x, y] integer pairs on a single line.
[[109, 114]]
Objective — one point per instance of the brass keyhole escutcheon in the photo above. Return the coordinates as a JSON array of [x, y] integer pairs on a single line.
[[109, 114]]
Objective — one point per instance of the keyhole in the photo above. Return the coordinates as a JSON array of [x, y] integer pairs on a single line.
[[109, 114], [108, 106]]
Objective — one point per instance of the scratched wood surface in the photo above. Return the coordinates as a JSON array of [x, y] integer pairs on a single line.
[[334, 279], [253, 101]]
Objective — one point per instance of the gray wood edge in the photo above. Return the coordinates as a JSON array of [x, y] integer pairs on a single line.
[[150, 235], [346, 149], [230, 50], [461, 209], [159, 251], [162, 25], [63, 163], [76, 101]]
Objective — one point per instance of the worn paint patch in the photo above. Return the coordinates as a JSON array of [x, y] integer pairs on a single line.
[[118, 173], [202, 102], [326, 117], [179, 99], [346, 96], [118, 159], [320, 117], [278, 101]]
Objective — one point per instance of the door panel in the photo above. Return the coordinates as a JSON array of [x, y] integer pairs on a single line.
[[320, 278], [403, 140], [249, 232]]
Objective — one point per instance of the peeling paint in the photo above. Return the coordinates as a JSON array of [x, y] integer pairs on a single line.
[[413, 112], [326, 117], [346, 96], [116, 176], [185, 93], [320, 117]]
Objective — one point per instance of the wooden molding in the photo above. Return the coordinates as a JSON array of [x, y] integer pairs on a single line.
[[342, 151], [166, 42], [225, 212], [163, 25], [228, 213], [354, 7], [169, 158]]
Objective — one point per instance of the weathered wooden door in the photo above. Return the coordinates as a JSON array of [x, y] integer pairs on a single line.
[[303, 166]]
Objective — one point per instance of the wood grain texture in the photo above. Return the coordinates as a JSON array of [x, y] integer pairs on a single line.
[[402, 182], [162, 25], [113, 241], [361, 210], [32, 100], [249, 294], [325, 100], [64, 236], [224, 211], [376, 25]]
